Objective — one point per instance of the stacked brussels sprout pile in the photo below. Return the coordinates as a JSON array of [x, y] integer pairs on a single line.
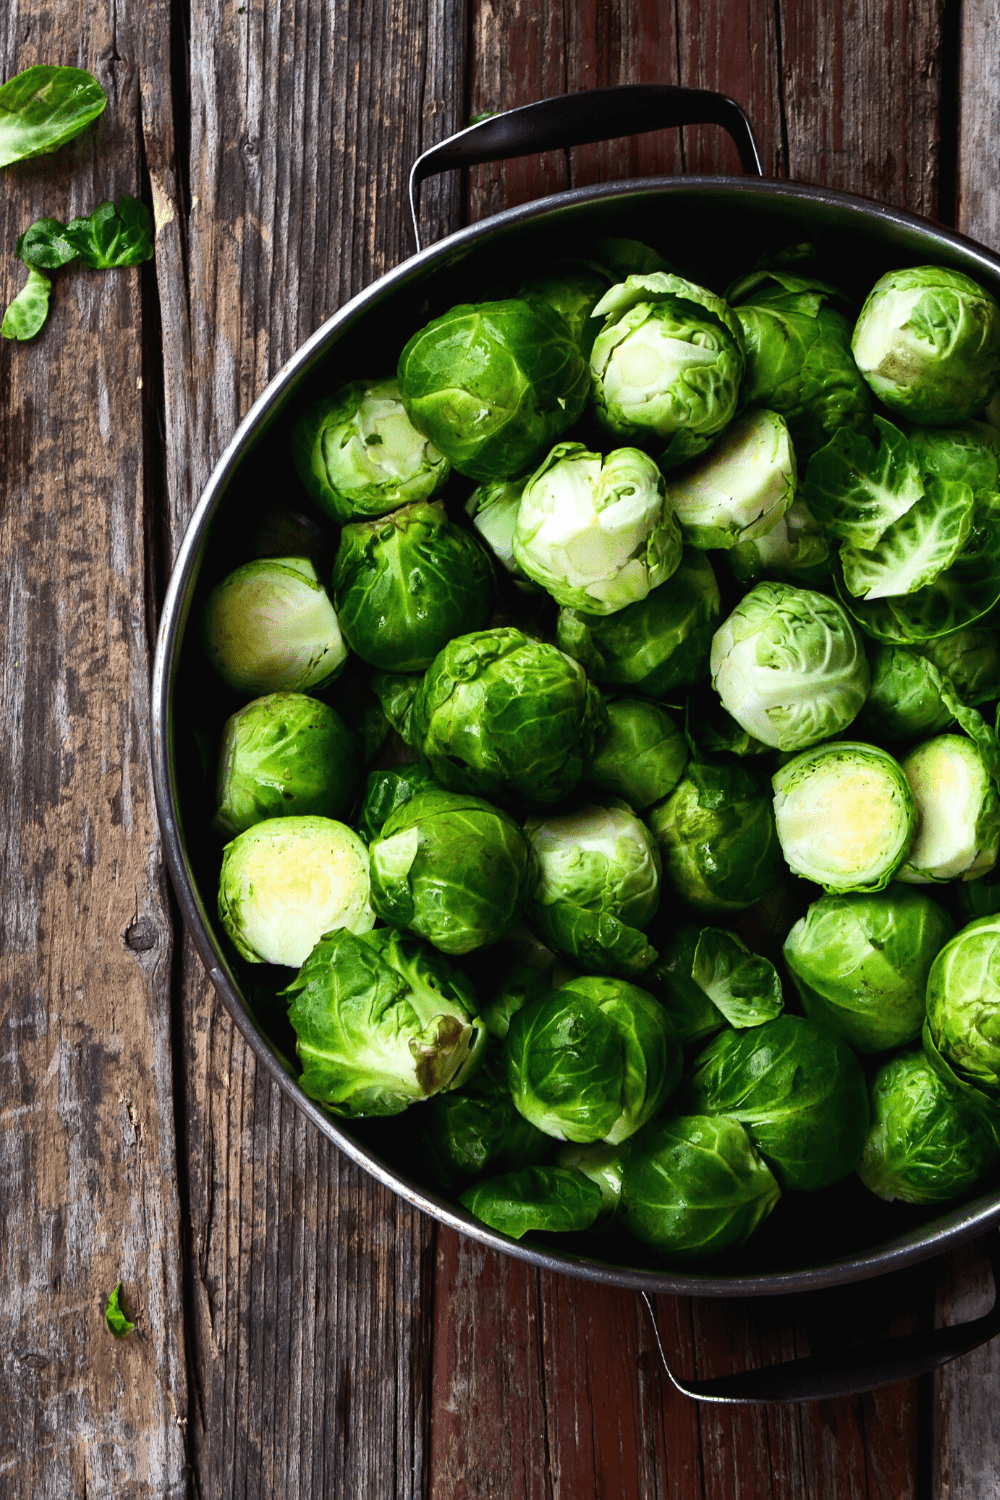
[[649, 605]]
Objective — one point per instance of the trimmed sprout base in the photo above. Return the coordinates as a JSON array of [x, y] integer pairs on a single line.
[[742, 488]]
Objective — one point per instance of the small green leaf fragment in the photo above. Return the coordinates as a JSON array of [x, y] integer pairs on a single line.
[[43, 108], [112, 237], [44, 245], [114, 1315], [29, 309]]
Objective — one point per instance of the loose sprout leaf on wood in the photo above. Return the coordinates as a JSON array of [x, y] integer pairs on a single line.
[[43, 108], [107, 239], [114, 1315], [29, 309]]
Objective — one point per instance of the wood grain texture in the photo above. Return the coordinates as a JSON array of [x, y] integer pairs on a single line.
[[87, 1149], [966, 1456], [977, 199]]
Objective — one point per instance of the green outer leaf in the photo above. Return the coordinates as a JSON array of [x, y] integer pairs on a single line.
[[29, 309], [744, 986], [857, 490], [44, 245], [114, 1315], [467, 1133], [113, 237], [692, 1014], [916, 549], [546, 1198], [598, 940], [43, 108], [384, 791]]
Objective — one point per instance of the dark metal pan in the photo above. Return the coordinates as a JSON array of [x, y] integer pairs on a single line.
[[843, 1237]]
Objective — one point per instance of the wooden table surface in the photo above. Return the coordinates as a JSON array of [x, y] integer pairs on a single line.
[[300, 1332]]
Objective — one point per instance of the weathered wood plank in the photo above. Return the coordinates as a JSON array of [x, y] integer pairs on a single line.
[[978, 202], [87, 1152], [311, 1286]]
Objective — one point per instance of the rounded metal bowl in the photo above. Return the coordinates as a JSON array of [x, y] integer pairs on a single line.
[[715, 224]]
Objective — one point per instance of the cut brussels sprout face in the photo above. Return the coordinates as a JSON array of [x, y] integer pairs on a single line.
[[795, 550], [666, 364], [358, 453], [845, 816], [494, 385], [927, 1142], [382, 1021], [963, 1005], [928, 343], [591, 1061], [270, 626], [798, 1091], [742, 488], [958, 812], [597, 533], [655, 646], [694, 1186], [405, 584], [717, 838], [598, 887], [504, 716], [789, 666], [642, 755], [284, 755], [451, 868], [860, 964], [553, 1198], [286, 882]]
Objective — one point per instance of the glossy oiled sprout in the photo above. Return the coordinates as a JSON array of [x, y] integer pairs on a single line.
[[962, 1032], [642, 756], [270, 626], [717, 838], [742, 488]]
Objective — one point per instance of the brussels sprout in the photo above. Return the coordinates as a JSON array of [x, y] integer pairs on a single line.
[[518, 982], [860, 964], [798, 357], [692, 1014], [397, 693], [717, 837], [655, 646], [492, 509], [970, 659], [963, 1005], [742, 985], [287, 881], [798, 1091], [624, 257], [405, 584], [742, 488], [358, 453], [451, 868], [284, 755], [958, 812], [795, 550], [598, 534], [572, 288], [927, 1143], [387, 790], [694, 1186], [667, 363], [969, 453], [928, 344], [493, 385], [271, 626], [904, 701], [598, 886], [642, 755], [382, 1021], [789, 666], [845, 816], [466, 1133], [504, 716], [550, 1198], [591, 1061]]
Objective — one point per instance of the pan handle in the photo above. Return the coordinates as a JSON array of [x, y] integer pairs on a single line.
[[845, 1372], [577, 120]]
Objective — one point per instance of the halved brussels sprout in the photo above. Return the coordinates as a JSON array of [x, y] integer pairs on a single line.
[[592, 1061], [904, 700], [504, 716], [655, 646], [742, 488], [387, 790], [358, 453], [963, 1005], [717, 838], [493, 385], [549, 1198], [382, 1021], [284, 755], [598, 887], [270, 626], [451, 868], [405, 584], [928, 344], [927, 1143], [795, 550], [860, 964], [597, 533], [958, 812], [667, 363], [694, 1186], [287, 881], [789, 666], [642, 756], [798, 1091], [845, 816]]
